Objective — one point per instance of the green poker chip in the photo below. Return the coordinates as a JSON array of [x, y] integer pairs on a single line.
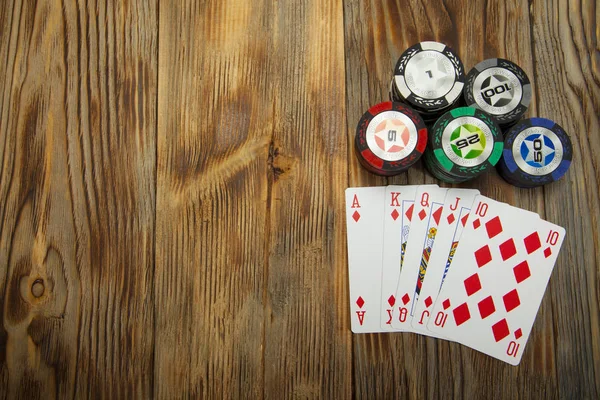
[[463, 143]]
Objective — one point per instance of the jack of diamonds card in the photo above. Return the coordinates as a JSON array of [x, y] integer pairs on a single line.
[[364, 221], [399, 206], [493, 291], [429, 203], [454, 218]]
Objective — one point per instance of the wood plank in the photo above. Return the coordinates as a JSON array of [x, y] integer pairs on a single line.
[[244, 170], [77, 127], [307, 340], [215, 127], [505, 33], [390, 365], [6, 26], [567, 73], [376, 34]]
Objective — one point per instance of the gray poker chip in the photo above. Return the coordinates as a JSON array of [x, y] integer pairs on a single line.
[[500, 88]]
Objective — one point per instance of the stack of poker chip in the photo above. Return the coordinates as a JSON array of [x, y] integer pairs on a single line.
[[463, 143], [430, 89], [390, 137], [430, 77], [500, 88], [537, 151]]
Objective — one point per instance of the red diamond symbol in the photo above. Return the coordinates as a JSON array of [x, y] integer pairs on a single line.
[[392, 301], [450, 218], [356, 216], [511, 300], [437, 214], [463, 220], [472, 284], [360, 302], [518, 333], [547, 252], [500, 330], [395, 214], [461, 314], [483, 256], [476, 223], [508, 249], [486, 307], [428, 301], [532, 242], [422, 214], [493, 227], [446, 304], [405, 298], [409, 212], [522, 271]]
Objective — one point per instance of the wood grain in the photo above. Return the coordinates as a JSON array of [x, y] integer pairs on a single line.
[[212, 197], [171, 197], [567, 72], [78, 126], [250, 245], [307, 343]]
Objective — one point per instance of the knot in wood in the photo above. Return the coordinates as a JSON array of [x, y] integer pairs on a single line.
[[38, 288]]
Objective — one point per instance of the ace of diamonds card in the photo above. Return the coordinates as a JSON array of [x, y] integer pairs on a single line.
[[364, 222]]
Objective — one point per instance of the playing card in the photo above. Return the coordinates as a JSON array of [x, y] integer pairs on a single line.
[[454, 217], [492, 293], [399, 205], [427, 212], [364, 221]]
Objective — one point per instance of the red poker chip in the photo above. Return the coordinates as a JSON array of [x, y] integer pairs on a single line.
[[390, 137]]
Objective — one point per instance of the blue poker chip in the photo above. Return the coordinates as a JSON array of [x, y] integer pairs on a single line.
[[537, 151]]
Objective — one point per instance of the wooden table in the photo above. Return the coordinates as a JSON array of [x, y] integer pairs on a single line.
[[171, 197]]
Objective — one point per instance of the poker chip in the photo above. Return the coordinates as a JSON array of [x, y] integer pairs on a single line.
[[429, 76], [428, 117], [394, 95], [463, 143], [500, 88], [390, 137], [537, 151]]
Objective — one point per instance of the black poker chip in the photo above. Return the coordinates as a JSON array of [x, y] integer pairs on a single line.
[[394, 95], [390, 137], [429, 76], [537, 151], [500, 88], [463, 143]]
